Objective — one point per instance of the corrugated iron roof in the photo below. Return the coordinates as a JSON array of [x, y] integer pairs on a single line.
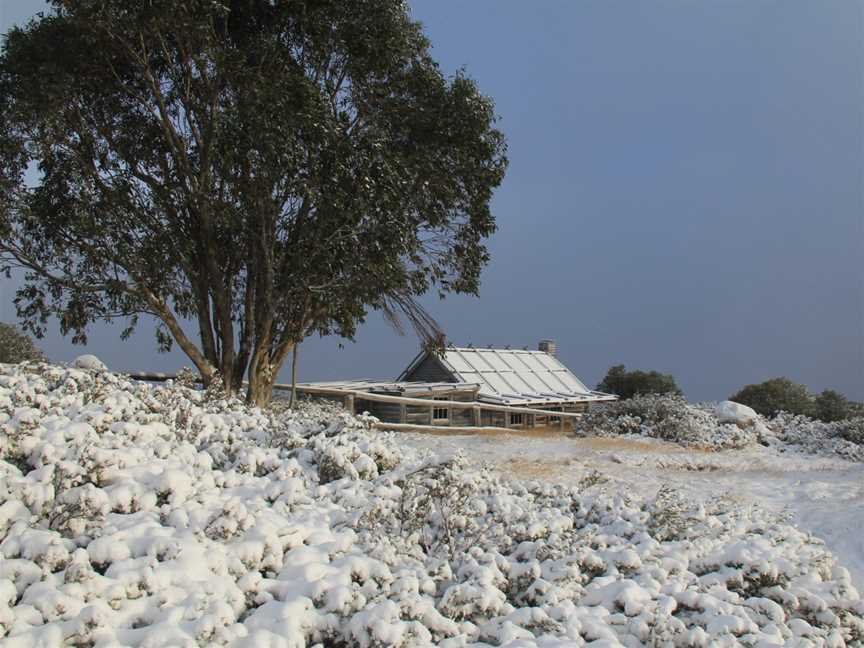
[[389, 386], [514, 376]]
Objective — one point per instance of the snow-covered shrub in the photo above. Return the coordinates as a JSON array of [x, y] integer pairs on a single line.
[[434, 503], [187, 377], [666, 417], [852, 429], [843, 438], [78, 510], [592, 478], [154, 516], [669, 511]]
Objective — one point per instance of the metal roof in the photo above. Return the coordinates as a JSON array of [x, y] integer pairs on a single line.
[[386, 387], [513, 376]]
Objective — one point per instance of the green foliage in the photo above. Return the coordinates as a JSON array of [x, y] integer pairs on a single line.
[[783, 395], [777, 395], [628, 384], [17, 347], [832, 406], [269, 170]]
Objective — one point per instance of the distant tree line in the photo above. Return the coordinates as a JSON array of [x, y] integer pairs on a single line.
[[784, 395], [767, 398], [627, 384]]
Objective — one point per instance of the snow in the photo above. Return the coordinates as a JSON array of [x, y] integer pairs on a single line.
[[133, 515], [823, 495], [742, 416], [89, 362], [732, 412]]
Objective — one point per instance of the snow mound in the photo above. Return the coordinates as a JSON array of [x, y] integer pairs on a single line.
[[732, 412], [140, 516], [742, 416], [89, 362]]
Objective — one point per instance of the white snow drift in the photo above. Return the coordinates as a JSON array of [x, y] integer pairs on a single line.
[[89, 362], [732, 412], [142, 516]]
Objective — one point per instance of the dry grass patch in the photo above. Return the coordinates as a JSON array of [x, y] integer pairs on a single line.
[[533, 468], [619, 444]]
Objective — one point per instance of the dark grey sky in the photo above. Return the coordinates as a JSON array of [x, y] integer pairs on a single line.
[[685, 193]]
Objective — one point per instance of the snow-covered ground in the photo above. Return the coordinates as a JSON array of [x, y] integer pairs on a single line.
[[822, 495], [140, 516]]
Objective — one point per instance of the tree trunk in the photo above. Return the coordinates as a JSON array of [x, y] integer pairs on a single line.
[[260, 389], [263, 372], [163, 312], [293, 400]]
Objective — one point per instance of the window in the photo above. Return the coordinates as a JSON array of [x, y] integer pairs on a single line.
[[516, 419], [554, 419], [439, 413]]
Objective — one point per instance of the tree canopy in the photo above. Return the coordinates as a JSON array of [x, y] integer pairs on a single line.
[[266, 169], [627, 384], [784, 395], [776, 395], [831, 406], [17, 347]]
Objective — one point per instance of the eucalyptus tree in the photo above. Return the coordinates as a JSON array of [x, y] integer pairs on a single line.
[[17, 347], [263, 169]]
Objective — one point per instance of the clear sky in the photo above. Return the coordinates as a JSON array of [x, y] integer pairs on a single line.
[[685, 193]]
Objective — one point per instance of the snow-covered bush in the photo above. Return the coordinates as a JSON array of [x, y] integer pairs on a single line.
[[142, 516], [844, 438], [666, 417], [852, 429], [669, 514], [187, 377]]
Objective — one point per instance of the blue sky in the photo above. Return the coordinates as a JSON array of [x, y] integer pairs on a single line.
[[685, 193]]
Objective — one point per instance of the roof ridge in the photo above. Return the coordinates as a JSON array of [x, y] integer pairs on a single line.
[[499, 349]]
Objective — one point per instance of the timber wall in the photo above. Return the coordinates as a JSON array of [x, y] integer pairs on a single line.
[[416, 414]]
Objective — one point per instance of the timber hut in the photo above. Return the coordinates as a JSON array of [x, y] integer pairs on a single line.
[[463, 387]]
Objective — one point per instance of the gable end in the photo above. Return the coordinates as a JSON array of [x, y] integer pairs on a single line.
[[428, 369]]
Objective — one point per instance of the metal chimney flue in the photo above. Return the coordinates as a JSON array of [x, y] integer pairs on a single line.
[[548, 346]]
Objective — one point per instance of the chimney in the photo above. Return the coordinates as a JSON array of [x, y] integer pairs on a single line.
[[548, 346]]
